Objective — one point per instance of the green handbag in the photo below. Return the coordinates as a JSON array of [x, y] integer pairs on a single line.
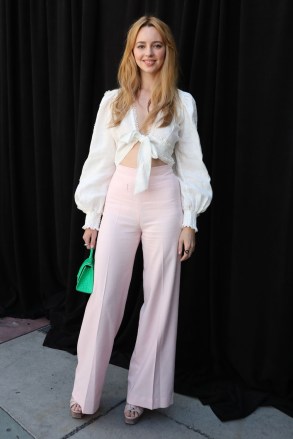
[[85, 275]]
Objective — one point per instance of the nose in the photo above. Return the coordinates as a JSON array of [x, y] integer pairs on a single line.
[[149, 51]]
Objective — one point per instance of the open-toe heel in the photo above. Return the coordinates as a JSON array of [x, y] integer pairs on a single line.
[[75, 409], [135, 410]]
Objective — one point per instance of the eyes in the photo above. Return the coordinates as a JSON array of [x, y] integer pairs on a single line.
[[154, 46]]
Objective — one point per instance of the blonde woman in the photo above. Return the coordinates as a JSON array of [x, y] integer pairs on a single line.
[[144, 180]]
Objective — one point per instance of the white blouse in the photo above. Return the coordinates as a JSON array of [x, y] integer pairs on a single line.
[[177, 144]]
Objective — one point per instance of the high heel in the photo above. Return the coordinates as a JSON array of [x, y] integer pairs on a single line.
[[136, 410], [75, 409]]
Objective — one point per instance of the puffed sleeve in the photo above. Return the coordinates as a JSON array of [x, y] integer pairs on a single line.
[[98, 168], [196, 191]]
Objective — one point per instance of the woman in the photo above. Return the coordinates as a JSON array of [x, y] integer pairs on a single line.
[[145, 176]]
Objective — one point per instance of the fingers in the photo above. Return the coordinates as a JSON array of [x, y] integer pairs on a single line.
[[186, 245], [180, 246], [183, 250], [187, 253], [90, 238], [188, 250]]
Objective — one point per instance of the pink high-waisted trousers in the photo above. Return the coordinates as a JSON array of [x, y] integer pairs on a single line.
[[154, 217]]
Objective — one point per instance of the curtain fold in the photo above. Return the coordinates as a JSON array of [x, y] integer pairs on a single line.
[[57, 58]]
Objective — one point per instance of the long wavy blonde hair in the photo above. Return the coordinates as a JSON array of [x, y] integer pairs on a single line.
[[164, 94]]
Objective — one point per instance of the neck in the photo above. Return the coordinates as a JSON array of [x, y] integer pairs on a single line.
[[147, 83]]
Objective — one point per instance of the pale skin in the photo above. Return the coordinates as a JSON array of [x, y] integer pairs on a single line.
[[149, 52]]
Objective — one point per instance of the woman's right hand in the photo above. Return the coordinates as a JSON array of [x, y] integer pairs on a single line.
[[90, 238]]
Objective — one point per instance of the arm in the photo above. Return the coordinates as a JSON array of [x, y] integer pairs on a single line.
[[196, 191], [98, 168]]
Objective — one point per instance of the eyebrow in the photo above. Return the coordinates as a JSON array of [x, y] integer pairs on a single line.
[[140, 42]]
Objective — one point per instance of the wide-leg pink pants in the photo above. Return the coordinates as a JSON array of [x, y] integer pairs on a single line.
[[155, 218]]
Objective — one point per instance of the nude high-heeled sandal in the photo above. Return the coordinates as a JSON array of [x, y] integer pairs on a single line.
[[75, 409], [135, 410]]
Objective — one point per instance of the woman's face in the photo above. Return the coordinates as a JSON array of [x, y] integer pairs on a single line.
[[149, 50]]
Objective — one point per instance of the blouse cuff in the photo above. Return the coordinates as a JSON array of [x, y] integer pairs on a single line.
[[92, 221], [189, 219]]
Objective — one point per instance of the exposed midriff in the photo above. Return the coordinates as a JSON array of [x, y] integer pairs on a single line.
[[130, 159]]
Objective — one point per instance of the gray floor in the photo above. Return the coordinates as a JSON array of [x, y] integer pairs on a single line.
[[35, 386]]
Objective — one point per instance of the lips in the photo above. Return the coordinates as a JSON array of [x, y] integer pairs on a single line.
[[149, 63]]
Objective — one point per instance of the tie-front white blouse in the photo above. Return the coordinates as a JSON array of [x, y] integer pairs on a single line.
[[177, 145]]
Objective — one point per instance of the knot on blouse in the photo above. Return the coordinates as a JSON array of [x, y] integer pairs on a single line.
[[147, 151]]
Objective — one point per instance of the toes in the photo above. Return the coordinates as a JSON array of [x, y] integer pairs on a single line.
[[130, 414], [77, 408]]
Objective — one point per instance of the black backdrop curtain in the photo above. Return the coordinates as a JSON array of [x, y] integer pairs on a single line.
[[57, 58]]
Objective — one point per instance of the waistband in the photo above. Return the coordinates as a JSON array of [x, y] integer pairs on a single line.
[[155, 170]]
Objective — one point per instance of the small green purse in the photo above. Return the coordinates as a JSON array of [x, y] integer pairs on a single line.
[[85, 275]]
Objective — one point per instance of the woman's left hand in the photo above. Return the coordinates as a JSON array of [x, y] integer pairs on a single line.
[[186, 244]]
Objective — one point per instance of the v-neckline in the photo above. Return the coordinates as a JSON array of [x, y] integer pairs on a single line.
[[135, 118]]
